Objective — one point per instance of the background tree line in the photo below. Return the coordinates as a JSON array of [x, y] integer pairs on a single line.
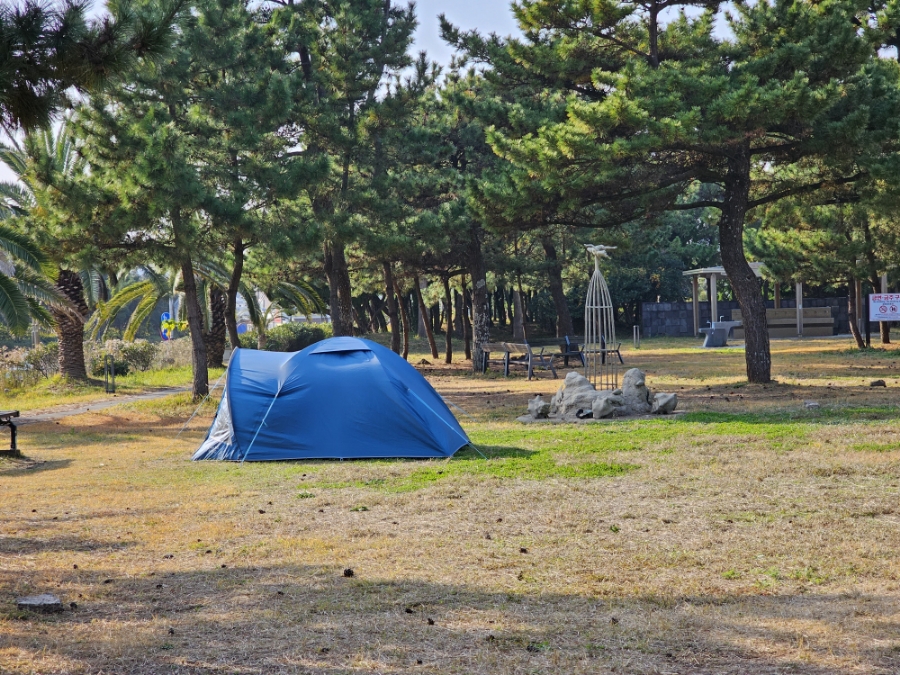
[[299, 148]]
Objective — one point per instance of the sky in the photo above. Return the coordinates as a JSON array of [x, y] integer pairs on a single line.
[[487, 16]]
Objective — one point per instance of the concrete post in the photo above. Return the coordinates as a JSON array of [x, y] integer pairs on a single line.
[[713, 300], [799, 309], [695, 289]]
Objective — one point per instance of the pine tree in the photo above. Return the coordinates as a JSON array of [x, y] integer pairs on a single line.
[[627, 116]]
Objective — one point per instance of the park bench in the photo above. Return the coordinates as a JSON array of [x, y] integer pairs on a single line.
[[6, 420], [516, 354], [718, 332]]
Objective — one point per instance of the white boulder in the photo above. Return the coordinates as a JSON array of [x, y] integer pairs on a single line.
[[538, 408], [663, 404]]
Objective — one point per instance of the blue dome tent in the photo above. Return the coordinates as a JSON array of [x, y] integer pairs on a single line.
[[342, 398]]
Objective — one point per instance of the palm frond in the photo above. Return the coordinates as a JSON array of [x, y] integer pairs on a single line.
[[39, 287], [19, 247], [139, 316], [301, 295], [14, 308], [40, 313]]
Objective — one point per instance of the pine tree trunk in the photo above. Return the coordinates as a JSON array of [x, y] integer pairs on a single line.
[[334, 304], [481, 330], [215, 336], [377, 316], [423, 312], [851, 311], [499, 300], [554, 276], [518, 317], [70, 326], [195, 325], [231, 299], [467, 324], [391, 302], [744, 282], [458, 311], [448, 303], [344, 290], [404, 319]]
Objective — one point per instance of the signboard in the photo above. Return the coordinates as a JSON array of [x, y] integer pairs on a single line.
[[884, 307]]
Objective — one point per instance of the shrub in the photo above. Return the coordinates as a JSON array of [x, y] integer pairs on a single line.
[[14, 372], [173, 353], [44, 359], [139, 354], [96, 362], [292, 337]]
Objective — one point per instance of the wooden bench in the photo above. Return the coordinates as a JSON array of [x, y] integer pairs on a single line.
[[817, 321], [515, 353], [6, 420]]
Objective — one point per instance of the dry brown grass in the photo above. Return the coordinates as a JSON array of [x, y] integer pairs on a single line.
[[759, 543]]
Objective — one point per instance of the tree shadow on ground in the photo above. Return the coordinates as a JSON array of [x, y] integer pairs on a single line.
[[258, 620], [23, 466]]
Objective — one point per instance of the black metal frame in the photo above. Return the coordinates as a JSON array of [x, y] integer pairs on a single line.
[[6, 420]]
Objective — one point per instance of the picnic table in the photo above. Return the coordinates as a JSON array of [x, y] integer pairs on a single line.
[[541, 354], [6, 420]]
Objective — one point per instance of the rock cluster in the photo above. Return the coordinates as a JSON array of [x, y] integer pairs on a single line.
[[577, 399]]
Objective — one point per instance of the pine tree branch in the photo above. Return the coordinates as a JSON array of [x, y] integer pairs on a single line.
[[802, 189]]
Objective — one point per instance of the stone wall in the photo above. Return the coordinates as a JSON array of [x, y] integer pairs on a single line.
[[676, 319]]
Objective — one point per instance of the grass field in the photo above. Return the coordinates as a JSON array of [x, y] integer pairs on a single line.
[[749, 535], [56, 391]]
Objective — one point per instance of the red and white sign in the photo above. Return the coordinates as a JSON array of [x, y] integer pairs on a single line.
[[884, 307]]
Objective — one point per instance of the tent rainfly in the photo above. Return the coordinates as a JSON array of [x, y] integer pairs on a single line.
[[342, 398]]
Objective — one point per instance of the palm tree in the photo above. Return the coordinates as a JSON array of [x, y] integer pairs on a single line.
[[145, 287], [297, 295], [23, 284], [45, 153]]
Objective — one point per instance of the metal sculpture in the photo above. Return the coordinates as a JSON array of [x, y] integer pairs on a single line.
[[600, 347]]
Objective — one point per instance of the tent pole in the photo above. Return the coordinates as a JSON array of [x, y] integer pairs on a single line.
[[265, 417]]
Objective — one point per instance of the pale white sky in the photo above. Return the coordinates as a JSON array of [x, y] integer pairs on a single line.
[[487, 16]]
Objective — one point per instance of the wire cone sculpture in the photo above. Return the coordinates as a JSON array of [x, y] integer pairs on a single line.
[[600, 363]]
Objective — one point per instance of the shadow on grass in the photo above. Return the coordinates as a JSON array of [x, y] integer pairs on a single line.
[[23, 466], [296, 618]]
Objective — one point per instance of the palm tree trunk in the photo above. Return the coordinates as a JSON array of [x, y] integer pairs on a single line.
[[70, 326]]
